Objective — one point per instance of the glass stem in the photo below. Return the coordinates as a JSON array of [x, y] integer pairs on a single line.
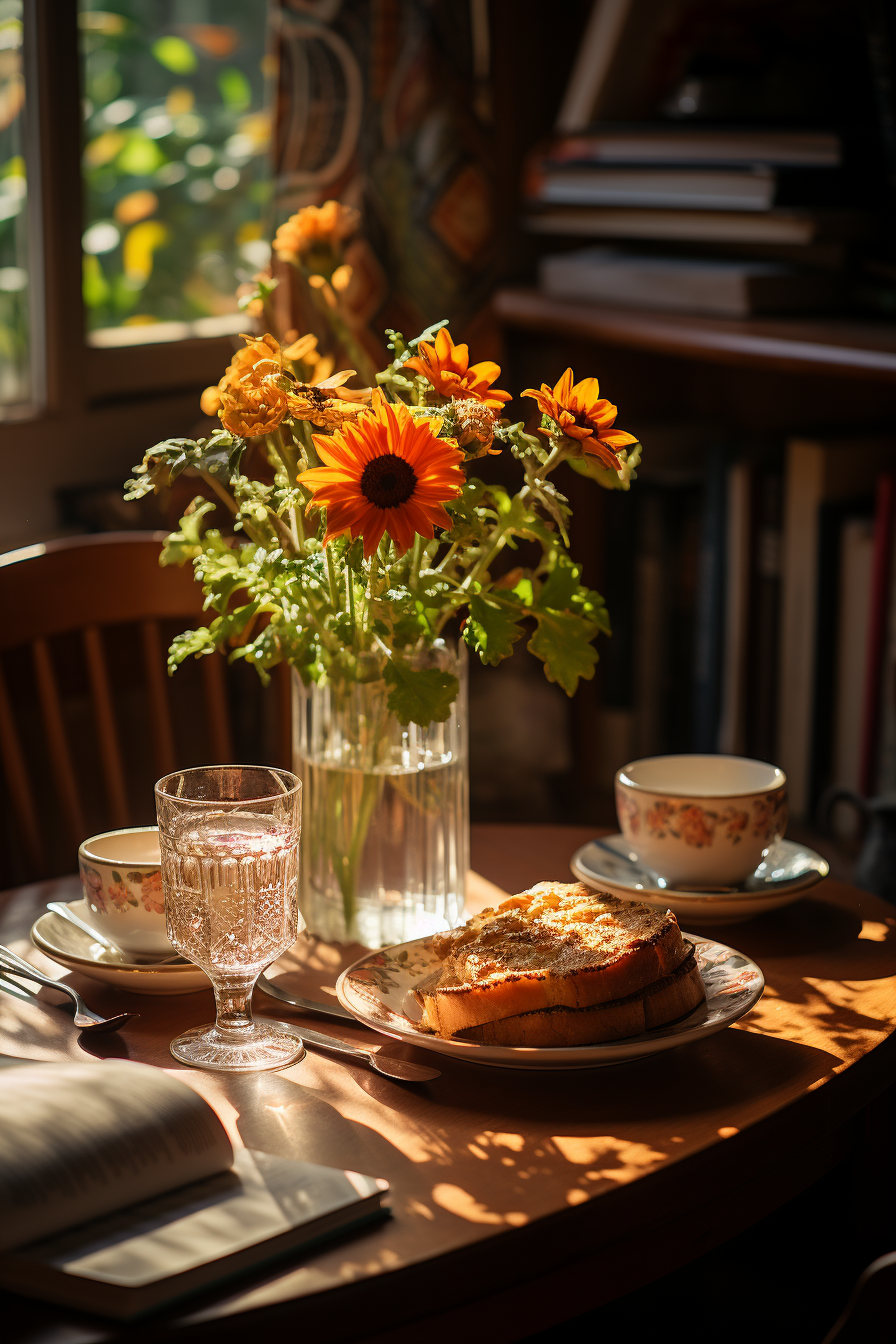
[[233, 1000]]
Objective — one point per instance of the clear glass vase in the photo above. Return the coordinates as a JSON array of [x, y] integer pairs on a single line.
[[385, 830]]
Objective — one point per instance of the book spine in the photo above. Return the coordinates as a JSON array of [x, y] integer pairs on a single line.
[[803, 495], [708, 634], [732, 714], [763, 623], [877, 630]]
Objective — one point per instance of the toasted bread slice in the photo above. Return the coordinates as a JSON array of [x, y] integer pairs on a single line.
[[665, 1000], [556, 944]]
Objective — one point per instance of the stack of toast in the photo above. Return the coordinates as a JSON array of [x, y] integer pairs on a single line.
[[560, 965]]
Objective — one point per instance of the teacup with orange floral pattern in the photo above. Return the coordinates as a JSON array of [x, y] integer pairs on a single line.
[[122, 881], [701, 821]]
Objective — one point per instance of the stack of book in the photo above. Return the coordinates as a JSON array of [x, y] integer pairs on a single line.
[[763, 609], [760, 206]]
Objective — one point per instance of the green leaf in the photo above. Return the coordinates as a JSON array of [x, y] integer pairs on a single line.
[[563, 643], [562, 591], [190, 644], [590, 466], [420, 695], [562, 583], [187, 543], [491, 630]]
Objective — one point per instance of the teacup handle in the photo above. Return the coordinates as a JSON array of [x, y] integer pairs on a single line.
[[840, 794]]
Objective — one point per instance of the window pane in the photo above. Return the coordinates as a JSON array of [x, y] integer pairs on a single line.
[[175, 166], [15, 379]]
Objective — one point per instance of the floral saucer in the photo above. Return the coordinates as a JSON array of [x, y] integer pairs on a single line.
[[70, 947], [784, 875], [379, 990]]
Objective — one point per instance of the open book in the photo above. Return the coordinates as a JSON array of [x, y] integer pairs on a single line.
[[120, 1191]]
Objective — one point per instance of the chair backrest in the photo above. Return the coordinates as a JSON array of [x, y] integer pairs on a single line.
[[869, 1315], [64, 609]]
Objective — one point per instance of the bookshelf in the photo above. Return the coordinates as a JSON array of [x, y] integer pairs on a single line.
[[824, 345]]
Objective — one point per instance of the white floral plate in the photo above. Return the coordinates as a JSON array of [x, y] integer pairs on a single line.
[[379, 990], [70, 947], [784, 875]]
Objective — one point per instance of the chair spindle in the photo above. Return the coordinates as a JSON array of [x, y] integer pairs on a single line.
[[54, 727], [104, 714]]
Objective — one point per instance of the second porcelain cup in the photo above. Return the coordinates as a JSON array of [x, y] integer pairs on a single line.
[[701, 821], [121, 878]]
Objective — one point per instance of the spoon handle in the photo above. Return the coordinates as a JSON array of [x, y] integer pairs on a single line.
[[333, 1043], [63, 911], [13, 965], [11, 962]]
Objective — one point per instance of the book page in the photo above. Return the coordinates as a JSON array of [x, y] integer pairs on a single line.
[[262, 1198], [81, 1140]]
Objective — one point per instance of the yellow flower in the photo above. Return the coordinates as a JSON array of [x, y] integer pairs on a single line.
[[581, 413], [210, 401], [447, 366], [385, 472], [251, 402], [259, 357], [250, 411], [315, 226]]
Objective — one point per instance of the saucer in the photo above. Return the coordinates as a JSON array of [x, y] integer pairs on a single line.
[[784, 875], [379, 991], [64, 943]]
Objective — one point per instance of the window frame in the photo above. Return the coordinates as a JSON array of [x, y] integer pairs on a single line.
[[87, 389]]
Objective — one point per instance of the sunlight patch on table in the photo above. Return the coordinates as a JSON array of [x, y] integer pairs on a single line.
[[463, 1205], [617, 1159], [874, 932]]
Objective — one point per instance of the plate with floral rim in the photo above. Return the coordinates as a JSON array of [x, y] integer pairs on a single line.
[[72, 948], [378, 989], [786, 873]]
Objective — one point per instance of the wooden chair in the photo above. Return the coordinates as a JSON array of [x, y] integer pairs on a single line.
[[85, 625], [868, 1317]]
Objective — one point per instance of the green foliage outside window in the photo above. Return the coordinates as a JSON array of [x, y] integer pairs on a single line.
[[14, 316], [175, 163]]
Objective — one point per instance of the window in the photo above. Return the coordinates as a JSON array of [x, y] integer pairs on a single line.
[[175, 165], [15, 316]]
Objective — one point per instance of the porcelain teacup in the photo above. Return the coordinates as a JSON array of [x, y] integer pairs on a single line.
[[701, 821], [122, 882]]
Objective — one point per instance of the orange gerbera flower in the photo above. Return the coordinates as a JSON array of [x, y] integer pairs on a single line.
[[582, 413], [447, 366], [385, 472]]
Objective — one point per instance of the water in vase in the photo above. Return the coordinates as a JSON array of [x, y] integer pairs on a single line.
[[385, 835]]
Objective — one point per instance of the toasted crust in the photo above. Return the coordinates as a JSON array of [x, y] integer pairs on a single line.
[[662, 1002], [558, 944]]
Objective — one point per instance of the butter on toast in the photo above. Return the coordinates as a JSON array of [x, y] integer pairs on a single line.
[[556, 945]]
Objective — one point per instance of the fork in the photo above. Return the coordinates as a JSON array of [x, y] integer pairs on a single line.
[[85, 1020]]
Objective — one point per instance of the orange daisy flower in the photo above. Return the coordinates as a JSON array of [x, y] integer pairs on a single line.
[[385, 472], [447, 366], [582, 413]]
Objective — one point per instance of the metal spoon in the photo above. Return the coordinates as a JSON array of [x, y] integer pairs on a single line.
[[85, 1019], [63, 911], [334, 1009], [400, 1069], [703, 889]]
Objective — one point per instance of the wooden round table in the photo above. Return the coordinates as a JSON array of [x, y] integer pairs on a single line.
[[533, 1196]]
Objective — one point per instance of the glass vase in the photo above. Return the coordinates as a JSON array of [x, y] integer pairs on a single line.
[[385, 834]]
